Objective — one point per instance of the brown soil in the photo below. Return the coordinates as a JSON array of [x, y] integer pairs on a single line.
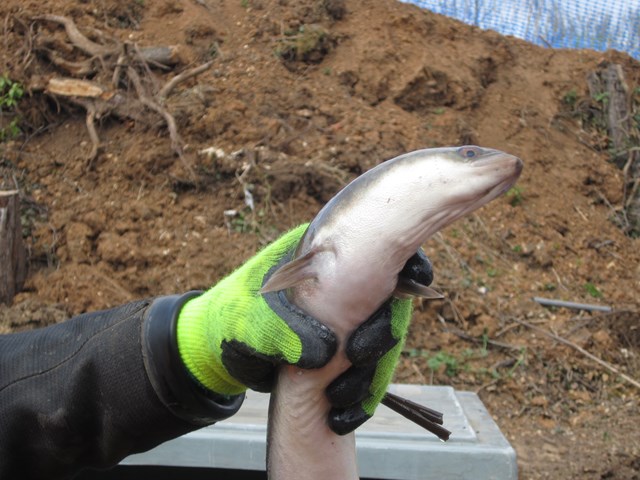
[[302, 97]]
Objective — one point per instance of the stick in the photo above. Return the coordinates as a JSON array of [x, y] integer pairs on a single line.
[[427, 418], [549, 302], [564, 341], [171, 84]]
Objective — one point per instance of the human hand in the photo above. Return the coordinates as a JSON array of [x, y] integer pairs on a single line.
[[230, 338], [374, 349]]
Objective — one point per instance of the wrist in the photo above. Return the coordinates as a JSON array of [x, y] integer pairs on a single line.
[[199, 346], [174, 385]]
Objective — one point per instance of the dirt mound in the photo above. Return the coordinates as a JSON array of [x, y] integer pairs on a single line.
[[301, 97]]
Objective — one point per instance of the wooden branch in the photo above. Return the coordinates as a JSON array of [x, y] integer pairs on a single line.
[[590, 356], [71, 87], [77, 38], [13, 262]]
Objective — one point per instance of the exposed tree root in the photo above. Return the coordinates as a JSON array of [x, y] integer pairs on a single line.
[[78, 39], [175, 81], [114, 66]]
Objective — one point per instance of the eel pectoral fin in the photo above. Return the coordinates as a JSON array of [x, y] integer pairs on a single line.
[[291, 274], [407, 287]]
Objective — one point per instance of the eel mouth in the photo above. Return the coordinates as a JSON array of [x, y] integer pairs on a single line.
[[506, 167]]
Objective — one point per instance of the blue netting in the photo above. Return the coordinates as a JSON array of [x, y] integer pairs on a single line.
[[595, 24]]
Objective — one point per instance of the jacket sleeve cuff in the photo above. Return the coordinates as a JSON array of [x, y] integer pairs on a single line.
[[183, 395]]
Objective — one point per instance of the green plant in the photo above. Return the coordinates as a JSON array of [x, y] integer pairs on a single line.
[[451, 363], [592, 290], [515, 196], [571, 97], [519, 361], [492, 272], [310, 43], [601, 97], [10, 94]]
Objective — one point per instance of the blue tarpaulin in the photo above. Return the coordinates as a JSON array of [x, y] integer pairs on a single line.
[[595, 24]]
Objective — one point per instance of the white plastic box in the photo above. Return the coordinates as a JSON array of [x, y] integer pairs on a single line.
[[389, 446]]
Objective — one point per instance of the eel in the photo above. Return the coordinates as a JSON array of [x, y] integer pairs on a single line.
[[347, 264]]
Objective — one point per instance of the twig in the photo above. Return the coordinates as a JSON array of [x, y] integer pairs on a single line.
[[564, 341], [117, 71], [558, 279], [171, 84], [549, 302], [93, 134], [472, 339], [486, 385]]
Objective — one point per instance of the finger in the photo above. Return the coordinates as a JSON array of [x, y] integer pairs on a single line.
[[373, 339], [245, 365], [346, 420], [318, 342], [351, 387], [418, 268]]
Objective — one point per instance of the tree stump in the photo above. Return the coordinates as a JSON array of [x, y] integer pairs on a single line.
[[609, 87], [13, 264]]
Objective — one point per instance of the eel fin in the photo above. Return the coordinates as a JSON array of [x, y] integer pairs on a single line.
[[291, 274], [407, 287]]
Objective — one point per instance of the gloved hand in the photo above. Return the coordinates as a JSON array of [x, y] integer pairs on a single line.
[[229, 338], [374, 349]]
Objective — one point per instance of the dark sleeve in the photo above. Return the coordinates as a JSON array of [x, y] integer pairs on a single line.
[[94, 389]]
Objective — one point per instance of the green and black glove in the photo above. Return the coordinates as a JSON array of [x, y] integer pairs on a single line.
[[230, 338], [374, 349]]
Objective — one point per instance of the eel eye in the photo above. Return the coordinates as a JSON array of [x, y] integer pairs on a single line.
[[469, 152]]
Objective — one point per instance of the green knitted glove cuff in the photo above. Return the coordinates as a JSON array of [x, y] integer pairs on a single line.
[[400, 318], [198, 350], [234, 310]]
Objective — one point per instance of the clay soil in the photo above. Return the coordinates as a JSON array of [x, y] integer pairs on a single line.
[[303, 96]]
